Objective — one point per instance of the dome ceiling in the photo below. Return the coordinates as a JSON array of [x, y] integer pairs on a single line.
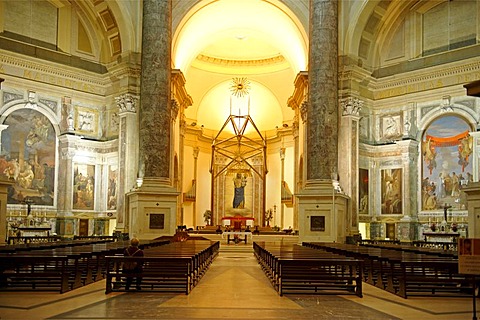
[[230, 38]]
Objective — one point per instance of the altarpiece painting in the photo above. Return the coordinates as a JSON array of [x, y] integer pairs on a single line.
[[84, 186], [28, 157], [446, 163], [392, 191]]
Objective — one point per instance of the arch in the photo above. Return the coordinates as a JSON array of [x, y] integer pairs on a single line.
[[446, 161], [15, 105], [217, 104]]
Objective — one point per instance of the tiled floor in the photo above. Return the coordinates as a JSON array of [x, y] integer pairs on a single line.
[[233, 288]]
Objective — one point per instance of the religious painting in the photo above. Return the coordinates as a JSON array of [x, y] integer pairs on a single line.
[[446, 163], [238, 192], [28, 157], [83, 186], [112, 188], [317, 223], [392, 194], [157, 221], [363, 191]]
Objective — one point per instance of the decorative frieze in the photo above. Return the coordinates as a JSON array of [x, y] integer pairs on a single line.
[[429, 80]]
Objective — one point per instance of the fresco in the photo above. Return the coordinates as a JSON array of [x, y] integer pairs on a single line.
[[446, 163], [28, 157]]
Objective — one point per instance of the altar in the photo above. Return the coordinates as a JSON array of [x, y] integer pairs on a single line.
[[238, 223], [237, 236]]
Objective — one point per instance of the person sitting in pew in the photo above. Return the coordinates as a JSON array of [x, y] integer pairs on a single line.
[[133, 267]]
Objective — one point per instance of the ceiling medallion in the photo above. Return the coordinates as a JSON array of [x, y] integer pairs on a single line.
[[240, 87]]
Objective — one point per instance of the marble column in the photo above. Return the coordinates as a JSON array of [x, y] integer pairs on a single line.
[[322, 110], [323, 210], [155, 103], [152, 208]]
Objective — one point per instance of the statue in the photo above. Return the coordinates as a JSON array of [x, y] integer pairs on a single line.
[[239, 183]]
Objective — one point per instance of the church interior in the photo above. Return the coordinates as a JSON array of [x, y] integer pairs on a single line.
[[292, 120]]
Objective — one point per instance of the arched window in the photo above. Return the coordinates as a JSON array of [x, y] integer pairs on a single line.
[[446, 163]]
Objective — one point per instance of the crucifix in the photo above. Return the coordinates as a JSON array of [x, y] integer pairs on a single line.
[[29, 203], [445, 208]]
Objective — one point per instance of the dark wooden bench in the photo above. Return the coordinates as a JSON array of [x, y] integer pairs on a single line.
[[58, 266], [297, 269], [176, 267], [408, 270]]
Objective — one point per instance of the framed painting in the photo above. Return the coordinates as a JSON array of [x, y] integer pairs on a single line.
[[83, 186], [363, 191], [112, 188], [392, 191]]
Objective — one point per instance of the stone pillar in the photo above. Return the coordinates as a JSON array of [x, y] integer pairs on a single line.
[[65, 174], [152, 207], [348, 162], [322, 209], [127, 153], [67, 149]]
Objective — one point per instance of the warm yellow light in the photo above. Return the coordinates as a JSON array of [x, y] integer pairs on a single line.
[[250, 19]]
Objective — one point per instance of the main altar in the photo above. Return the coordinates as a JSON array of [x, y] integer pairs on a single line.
[[238, 165]]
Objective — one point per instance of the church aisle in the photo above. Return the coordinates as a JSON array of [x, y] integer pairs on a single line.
[[233, 288]]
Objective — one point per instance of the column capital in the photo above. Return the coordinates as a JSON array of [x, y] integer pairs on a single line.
[[351, 106], [127, 103]]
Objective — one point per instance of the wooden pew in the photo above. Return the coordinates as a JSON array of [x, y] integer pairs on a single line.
[[176, 267], [407, 271], [297, 269], [58, 266]]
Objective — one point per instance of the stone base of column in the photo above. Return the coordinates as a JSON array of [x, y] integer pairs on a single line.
[[4, 184], [151, 210], [321, 213]]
